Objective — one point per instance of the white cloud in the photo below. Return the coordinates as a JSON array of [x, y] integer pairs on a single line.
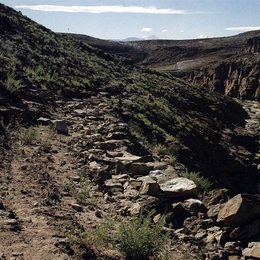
[[101, 9], [252, 28], [202, 36], [165, 30], [146, 29], [182, 31]]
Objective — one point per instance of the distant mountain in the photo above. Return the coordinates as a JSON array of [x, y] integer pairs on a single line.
[[133, 39]]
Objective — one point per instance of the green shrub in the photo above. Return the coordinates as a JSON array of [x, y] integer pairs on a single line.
[[161, 149], [141, 239], [79, 192], [172, 159], [12, 84], [203, 185], [28, 135]]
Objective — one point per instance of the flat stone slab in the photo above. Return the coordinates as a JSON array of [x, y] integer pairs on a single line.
[[179, 187]]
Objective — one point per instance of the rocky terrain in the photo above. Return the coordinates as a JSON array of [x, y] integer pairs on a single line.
[[90, 141]]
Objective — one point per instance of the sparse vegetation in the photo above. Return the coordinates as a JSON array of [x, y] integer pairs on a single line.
[[12, 84], [203, 185], [136, 239], [141, 239], [172, 159], [79, 191], [28, 135], [161, 149]]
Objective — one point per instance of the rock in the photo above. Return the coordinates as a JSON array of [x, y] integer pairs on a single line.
[[122, 178], [214, 210], [194, 206], [44, 121], [170, 172], [98, 214], [149, 186], [207, 223], [222, 237], [113, 186], [131, 194], [201, 233], [212, 233], [135, 209], [179, 213], [117, 135], [120, 167], [2, 205], [193, 224], [217, 197], [139, 168], [156, 173], [148, 202], [230, 249], [61, 127], [80, 112], [252, 251], [76, 206], [234, 257], [247, 231], [110, 144], [179, 187], [135, 183], [127, 157], [240, 210], [159, 175]]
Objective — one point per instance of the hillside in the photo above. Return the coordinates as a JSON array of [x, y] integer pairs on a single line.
[[81, 129], [228, 65]]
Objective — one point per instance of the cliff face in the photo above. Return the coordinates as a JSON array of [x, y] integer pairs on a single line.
[[253, 44], [237, 77]]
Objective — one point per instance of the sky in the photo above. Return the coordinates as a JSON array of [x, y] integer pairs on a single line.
[[166, 19]]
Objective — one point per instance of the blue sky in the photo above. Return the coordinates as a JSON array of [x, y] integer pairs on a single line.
[[166, 19]]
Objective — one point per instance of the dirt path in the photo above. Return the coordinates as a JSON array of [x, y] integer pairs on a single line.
[[33, 178]]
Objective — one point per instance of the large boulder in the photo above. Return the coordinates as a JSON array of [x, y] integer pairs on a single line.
[[240, 210], [179, 187], [252, 251]]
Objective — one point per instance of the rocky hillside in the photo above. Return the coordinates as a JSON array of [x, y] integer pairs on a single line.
[[228, 65], [90, 140]]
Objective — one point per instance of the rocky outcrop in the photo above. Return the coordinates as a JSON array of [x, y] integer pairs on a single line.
[[238, 79], [238, 76], [253, 45]]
